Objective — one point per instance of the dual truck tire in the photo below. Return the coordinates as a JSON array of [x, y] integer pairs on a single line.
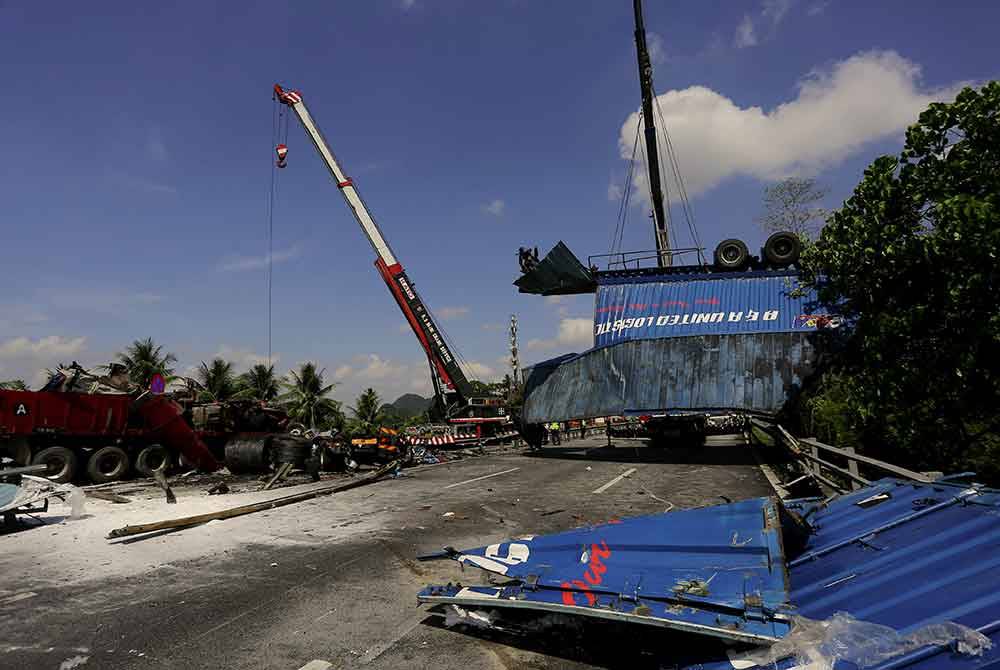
[[106, 464]]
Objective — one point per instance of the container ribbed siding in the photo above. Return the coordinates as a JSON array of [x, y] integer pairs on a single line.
[[633, 308], [756, 372], [721, 341]]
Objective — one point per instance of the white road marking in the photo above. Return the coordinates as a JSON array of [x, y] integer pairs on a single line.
[[469, 481], [18, 597], [317, 665], [614, 481]]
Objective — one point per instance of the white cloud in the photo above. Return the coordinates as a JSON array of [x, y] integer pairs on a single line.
[[572, 333], [817, 8], [449, 313], [494, 207], [746, 35], [343, 372], [775, 10], [480, 371], [869, 96], [655, 46], [243, 358], [52, 346], [243, 263]]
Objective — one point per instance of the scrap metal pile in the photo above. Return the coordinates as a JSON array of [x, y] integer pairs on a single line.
[[895, 575]]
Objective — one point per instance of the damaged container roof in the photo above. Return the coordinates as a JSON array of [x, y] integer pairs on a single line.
[[875, 571]]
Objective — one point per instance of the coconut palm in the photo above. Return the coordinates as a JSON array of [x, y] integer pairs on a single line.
[[367, 411], [260, 383], [145, 358], [14, 385], [218, 379], [306, 398]]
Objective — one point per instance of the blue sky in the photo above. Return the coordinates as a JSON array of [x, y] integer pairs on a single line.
[[138, 153]]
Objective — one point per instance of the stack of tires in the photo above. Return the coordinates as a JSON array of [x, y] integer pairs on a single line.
[[781, 250]]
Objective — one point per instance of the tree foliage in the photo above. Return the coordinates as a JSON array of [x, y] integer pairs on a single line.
[[145, 358], [14, 385], [911, 261], [219, 380], [792, 204], [260, 382], [367, 411], [306, 399]]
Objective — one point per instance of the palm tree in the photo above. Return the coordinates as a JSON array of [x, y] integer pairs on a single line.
[[367, 411], [14, 385], [218, 379], [306, 401], [260, 382], [145, 358]]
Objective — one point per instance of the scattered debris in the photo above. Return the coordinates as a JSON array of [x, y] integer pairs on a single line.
[[198, 519], [110, 496], [551, 512], [279, 475], [219, 489], [161, 480], [448, 514]]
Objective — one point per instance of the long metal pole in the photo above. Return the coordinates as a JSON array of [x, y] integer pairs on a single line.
[[660, 231]]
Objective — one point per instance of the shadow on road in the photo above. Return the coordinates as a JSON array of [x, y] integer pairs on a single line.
[[599, 643], [718, 450]]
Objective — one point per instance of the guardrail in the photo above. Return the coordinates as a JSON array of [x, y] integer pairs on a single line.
[[816, 460]]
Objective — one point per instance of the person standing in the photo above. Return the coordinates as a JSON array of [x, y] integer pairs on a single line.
[[554, 432]]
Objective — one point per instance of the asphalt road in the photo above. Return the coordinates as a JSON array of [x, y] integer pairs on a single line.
[[271, 604]]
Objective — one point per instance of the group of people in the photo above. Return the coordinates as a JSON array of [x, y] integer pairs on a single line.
[[555, 430]]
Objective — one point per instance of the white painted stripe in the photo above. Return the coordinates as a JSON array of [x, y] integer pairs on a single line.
[[614, 481], [469, 481], [317, 665], [18, 597]]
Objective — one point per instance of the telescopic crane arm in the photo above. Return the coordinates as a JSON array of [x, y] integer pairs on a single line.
[[449, 380]]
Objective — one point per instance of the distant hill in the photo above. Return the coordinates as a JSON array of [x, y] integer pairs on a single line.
[[407, 405]]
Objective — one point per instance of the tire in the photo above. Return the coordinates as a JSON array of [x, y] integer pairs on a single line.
[[107, 464], [296, 428], [287, 449], [150, 459], [18, 450], [249, 454], [60, 461], [732, 254], [782, 249]]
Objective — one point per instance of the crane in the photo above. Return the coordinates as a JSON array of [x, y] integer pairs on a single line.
[[451, 387]]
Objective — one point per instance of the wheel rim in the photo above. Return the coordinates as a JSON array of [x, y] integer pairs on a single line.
[[55, 466], [108, 464]]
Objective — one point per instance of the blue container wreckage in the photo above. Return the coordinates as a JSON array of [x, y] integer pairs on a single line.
[[895, 575]]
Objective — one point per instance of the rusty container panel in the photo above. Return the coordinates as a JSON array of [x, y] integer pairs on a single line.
[[748, 372]]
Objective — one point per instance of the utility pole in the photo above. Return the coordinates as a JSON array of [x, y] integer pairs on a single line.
[[515, 364]]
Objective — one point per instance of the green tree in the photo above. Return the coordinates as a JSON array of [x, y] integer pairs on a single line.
[[219, 380], [792, 204], [260, 382], [911, 261], [145, 358], [14, 385], [367, 411], [306, 399]]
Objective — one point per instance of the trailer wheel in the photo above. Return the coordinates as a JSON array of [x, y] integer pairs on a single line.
[[61, 463], [150, 459], [732, 255], [782, 249], [107, 464]]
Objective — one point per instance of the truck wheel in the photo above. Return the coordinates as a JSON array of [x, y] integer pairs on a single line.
[[61, 463], [782, 249], [150, 459], [732, 255], [18, 450], [107, 464]]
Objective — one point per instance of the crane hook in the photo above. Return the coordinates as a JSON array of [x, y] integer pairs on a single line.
[[282, 151]]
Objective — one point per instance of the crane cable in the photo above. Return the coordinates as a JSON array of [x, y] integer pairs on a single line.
[[279, 136], [679, 179]]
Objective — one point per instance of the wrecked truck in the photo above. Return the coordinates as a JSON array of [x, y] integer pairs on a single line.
[[897, 574]]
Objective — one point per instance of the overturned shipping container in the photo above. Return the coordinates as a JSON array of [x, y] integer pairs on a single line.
[[682, 340]]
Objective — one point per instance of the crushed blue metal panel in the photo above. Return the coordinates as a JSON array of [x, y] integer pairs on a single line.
[[919, 559], [665, 306], [715, 570], [750, 372]]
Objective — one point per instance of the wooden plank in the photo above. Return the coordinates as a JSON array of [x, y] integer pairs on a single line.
[[197, 519]]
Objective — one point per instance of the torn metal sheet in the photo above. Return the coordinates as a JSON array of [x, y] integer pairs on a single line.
[[559, 273], [714, 570], [898, 574], [30, 492]]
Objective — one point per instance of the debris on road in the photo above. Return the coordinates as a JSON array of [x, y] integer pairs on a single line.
[[219, 489], [198, 519], [811, 582]]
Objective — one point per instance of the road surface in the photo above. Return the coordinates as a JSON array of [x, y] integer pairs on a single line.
[[334, 579]]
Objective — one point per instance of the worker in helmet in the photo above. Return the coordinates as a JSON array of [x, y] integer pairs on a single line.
[[554, 433]]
